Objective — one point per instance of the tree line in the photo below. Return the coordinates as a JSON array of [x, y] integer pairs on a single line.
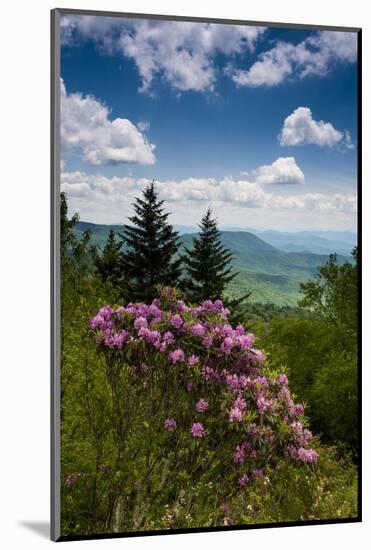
[[147, 254]]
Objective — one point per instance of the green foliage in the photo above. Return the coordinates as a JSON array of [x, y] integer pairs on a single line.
[[317, 349], [328, 491], [333, 295], [207, 263], [334, 399], [320, 351], [271, 275], [149, 246], [107, 262]]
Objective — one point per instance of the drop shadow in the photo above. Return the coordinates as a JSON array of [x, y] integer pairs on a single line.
[[42, 528]]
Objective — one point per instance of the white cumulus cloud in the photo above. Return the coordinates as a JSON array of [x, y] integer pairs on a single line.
[[300, 128], [86, 127], [96, 195], [181, 53], [284, 170], [313, 56]]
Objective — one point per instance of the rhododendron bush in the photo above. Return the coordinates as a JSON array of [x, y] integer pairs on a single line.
[[193, 400]]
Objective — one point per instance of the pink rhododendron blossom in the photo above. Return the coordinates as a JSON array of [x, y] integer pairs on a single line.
[[202, 405], [155, 311], [168, 337], [240, 403], [71, 479], [181, 306], [227, 345], [235, 415], [116, 340], [193, 360], [239, 454], [140, 322], [176, 355], [225, 508], [197, 430], [170, 424], [213, 360], [282, 380], [197, 329], [176, 321], [243, 480], [207, 341]]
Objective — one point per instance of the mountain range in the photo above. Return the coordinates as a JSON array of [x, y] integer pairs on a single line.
[[271, 264]]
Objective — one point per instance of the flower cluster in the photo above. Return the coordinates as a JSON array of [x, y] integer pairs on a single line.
[[222, 375], [170, 424]]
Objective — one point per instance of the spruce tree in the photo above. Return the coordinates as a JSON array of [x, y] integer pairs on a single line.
[[107, 263], [207, 264], [150, 244]]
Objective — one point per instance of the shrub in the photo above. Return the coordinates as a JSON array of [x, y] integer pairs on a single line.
[[193, 407]]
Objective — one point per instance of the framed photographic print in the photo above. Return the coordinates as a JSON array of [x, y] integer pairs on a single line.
[[206, 191]]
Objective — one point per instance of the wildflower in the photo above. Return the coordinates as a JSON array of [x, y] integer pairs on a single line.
[[168, 337], [235, 415], [226, 331], [176, 321], [257, 473], [71, 479], [298, 410], [151, 336], [197, 329], [176, 355], [155, 311], [140, 322], [235, 382], [198, 430], [96, 322], [262, 381], [240, 404], [256, 356], [193, 360], [170, 424], [106, 312], [302, 454], [207, 341], [225, 508], [181, 306], [245, 341], [112, 340], [243, 480], [307, 455], [202, 405], [282, 380], [227, 345], [239, 454], [264, 404]]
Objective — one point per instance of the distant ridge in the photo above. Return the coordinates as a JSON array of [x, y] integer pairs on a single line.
[[271, 273]]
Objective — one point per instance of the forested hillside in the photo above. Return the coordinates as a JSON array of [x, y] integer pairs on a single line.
[[183, 408], [272, 275]]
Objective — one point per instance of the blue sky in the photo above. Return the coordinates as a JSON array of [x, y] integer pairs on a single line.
[[260, 123]]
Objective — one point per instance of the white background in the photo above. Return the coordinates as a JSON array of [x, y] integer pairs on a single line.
[[24, 272]]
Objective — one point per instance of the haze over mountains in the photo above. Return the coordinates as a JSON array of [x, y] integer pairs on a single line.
[[316, 242], [271, 264]]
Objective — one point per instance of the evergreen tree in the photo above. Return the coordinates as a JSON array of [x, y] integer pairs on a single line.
[[150, 244], [107, 263], [207, 264], [67, 238]]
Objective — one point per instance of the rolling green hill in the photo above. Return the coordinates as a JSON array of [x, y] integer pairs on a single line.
[[271, 274]]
